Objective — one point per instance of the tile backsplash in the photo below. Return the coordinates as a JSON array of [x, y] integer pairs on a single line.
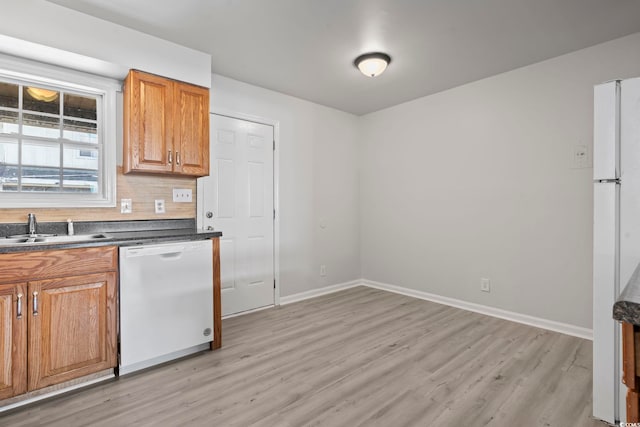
[[143, 190]]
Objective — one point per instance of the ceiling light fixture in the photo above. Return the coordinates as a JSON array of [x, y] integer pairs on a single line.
[[372, 64], [44, 95]]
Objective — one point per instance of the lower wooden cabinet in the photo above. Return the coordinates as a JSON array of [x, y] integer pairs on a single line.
[[72, 333], [631, 369], [13, 340], [54, 329]]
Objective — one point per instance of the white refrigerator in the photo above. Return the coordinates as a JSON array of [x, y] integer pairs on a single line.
[[616, 232]]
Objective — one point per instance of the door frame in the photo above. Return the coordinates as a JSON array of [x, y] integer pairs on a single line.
[[275, 124]]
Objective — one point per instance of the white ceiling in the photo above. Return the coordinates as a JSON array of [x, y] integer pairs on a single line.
[[306, 48]]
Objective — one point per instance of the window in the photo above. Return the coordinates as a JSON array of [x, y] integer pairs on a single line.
[[57, 140]]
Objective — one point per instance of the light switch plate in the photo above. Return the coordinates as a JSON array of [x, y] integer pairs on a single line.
[[159, 203], [182, 195], [126, 206]]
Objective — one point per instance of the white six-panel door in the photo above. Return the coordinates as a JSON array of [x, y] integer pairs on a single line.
[[238, 200]]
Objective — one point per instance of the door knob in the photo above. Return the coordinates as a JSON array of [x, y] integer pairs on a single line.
[[209, 214]]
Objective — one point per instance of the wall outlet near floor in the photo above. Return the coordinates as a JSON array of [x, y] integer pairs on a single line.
[[159, 203], [126, 206], [323, 270], [485, 285], [182, 195]]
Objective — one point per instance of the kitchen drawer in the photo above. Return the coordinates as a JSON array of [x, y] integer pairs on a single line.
[[19, 266]]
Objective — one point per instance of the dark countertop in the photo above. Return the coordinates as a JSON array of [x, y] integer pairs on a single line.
[[627, 307], [118, 233]]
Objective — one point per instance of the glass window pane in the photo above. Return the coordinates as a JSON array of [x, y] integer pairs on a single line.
[[80, 181], [40, 100], [8, 95], [81, 158], [35, 125], [8, 178], [9, 122], [40, 154], [49, 141], [83, 107], [40, 179], [80, 131], [8, 152]]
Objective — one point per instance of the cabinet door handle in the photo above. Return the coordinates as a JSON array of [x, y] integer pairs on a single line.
[[19, 314], [35, 303], [170, 156], [177, 157]]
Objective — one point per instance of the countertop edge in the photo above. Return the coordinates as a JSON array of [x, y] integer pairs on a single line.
[[626, 311], [627, 307], [118, 239]]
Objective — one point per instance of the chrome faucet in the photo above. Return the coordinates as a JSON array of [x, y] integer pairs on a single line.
[[33, 225]]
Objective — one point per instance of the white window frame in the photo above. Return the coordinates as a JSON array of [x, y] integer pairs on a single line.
[[66, 79]]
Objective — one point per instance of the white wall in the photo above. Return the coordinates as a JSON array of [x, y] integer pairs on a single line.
[[46, 32], [468, 183], [318, 183], [476, 182]]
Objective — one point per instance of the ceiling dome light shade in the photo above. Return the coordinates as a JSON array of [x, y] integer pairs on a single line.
[[372, 64], [39, 94]]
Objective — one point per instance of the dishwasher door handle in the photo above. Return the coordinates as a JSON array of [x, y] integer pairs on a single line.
[[172, 255], [161, 251]]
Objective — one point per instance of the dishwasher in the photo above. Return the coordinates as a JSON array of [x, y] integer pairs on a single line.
[[166, 302]]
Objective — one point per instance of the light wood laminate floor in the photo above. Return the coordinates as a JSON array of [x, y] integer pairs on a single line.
[[360, 357]]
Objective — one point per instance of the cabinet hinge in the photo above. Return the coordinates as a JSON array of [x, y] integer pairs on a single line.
[[274, 214], [274, 145], [274, 283]]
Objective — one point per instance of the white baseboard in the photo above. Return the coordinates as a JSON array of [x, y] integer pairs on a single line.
[[303, 296], [551, 325], [321, 291], [242, 313]]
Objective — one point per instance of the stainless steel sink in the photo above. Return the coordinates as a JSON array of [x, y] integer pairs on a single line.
[[48, 238], [64, 239], [29, 236], [12, 241]]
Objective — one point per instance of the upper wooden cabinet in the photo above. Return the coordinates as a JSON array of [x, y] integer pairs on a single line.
[[166, 126], [191, 129]]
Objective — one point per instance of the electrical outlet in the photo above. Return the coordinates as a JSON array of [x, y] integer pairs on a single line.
[[580, 157], [182, 195], [160, 206], [485, 285], [126, 206], [323, 270]]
